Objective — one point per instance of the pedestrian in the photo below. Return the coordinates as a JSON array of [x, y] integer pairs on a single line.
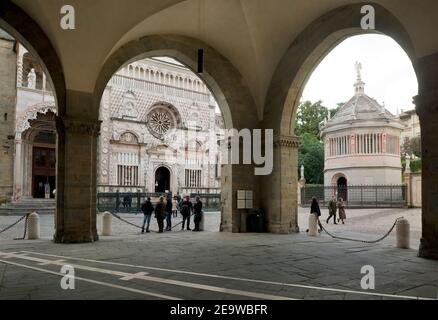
[[314, 209], [169, 213], [175, 207], [341, 207], [197, 209], [186, 211], [160, 214], [129, 201], [118, 202], [333, 207], [147, 209]]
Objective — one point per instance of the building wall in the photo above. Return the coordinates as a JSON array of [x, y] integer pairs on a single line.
[[8, 94], [128, 143], [126, 139], [365, 176]]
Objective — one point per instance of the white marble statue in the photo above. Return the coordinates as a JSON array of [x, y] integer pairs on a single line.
[[31, 79], [408, 162]]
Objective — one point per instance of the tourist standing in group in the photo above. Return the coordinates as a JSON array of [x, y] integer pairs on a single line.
[[341, 207], [160, 214], [175, 207], [197, 209], [186, 211], [147, 209], [333, 207], [169, 213]]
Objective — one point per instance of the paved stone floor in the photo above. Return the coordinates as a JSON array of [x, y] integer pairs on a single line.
[[213, 265]]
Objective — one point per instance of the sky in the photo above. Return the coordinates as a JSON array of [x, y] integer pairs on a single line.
[[386, 70]]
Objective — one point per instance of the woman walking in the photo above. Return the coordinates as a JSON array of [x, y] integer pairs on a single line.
[[314, 209], [341, 207]]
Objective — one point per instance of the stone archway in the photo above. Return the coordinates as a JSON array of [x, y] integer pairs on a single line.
[[287, 85], [162, 180], [226, 84], [25, 30]]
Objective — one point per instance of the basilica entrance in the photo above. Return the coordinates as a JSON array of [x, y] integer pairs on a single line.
[[43, 172], [162, 180]]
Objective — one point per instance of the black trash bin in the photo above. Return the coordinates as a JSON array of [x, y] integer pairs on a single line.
[[256, 222]]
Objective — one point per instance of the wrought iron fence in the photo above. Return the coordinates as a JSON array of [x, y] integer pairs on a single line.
[[384, 196], [129, 202]]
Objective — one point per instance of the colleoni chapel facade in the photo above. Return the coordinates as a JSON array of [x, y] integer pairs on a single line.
[[160, 131]]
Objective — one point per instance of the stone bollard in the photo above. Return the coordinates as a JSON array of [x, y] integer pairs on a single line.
[[313, 225], [33, 226], [106, 224], [403, 234]]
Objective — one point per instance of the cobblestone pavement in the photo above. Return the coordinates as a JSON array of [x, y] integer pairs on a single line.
[[213, 265]]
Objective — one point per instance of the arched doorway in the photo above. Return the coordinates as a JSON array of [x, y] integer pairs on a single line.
[[286, 88], [342, 188], [162, 180], [236, 99]]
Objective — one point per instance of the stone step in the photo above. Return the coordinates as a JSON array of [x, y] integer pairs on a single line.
[[24, 206], [9, 212]]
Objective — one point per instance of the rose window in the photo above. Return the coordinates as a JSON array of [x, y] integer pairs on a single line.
[[160, 122]]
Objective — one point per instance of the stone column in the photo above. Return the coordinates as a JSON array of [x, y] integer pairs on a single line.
[[76, 185], [427, 109], [280, 188], [20, 71]]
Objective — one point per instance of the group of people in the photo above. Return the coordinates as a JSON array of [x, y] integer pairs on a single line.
[[166, 209], [334, 207]]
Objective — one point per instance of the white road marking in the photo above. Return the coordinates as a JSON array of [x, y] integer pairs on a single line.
[[47, 263], [146, 293], [376, 294], [134, 276], [125, 275]]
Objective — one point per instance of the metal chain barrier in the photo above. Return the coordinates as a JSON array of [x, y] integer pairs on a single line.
[[357, 240], [25, 217], [140, 227]]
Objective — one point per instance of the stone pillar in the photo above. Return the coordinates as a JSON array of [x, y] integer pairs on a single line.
[[20, 71], [8, 94], [280, 188], [427, 110], [76, 185]]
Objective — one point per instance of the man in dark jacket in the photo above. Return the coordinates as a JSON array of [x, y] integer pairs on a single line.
[[160, 214], [169, 213], [186, 212], [333, 207], [197, 209], [147, 209]]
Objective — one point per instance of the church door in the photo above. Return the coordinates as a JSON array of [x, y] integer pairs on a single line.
[[43, 172], [162, 180]]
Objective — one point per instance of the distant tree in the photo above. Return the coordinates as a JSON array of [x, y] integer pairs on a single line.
[[335, 110], [311, 155], [309, 117], [411, 146]]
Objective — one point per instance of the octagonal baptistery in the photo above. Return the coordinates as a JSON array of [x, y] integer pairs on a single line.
[[362, 143]]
